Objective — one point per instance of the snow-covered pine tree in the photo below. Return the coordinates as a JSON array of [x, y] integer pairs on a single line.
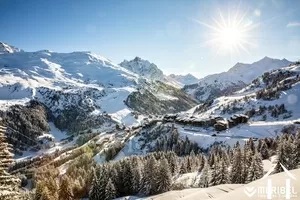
[[236, 175], [222, 174], [102, 179], [164, 177], [281, 157], [286, 154], [204, 178], [136, 174], [297, 149], [95, 190], [246, 161], [256, 169], [110, 190], [291, 153], [252, 145], [149, 177], [183, 168], [8, 184], [264, 151], [114, 176], [173, 162], [127, 176], [202, 161], [213, 175]]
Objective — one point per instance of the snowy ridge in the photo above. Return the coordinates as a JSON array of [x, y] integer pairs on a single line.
[[5, 48], [187, 79], [236, 78]]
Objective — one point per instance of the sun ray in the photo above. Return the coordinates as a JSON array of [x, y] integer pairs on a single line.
[[230, 33], [205, 24]]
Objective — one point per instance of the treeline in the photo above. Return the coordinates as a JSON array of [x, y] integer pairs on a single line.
[[174, 143], [141, 175]]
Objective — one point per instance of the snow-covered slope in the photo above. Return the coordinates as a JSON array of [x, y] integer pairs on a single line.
[[254, 190], [236, 78], [143, 68], [187, 79]]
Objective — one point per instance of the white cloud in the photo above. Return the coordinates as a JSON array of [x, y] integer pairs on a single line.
[[293, 24], [257, 12]]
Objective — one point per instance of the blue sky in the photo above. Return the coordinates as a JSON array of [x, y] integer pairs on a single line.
[[164, 32]]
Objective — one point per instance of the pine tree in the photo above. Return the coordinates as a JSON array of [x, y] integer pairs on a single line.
[[149, 177], [173, 162], [95, 191], [127, 177], [286, 154], [110, 190], [297, 149], [256, 169], [236, 175], [202, 161], [204, 179], [65, 191], [281, 157], [264, 151], [222, 174], [136, 175], [164, 177], [213, 175], [183, 168], [246, 161]]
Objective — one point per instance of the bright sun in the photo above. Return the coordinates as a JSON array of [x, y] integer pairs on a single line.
[[230, 34], [230, 37]]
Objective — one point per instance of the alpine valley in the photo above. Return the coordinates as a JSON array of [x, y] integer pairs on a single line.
[[77, 125]]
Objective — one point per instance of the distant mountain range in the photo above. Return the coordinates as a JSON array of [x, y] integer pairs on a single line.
[[235, 78]]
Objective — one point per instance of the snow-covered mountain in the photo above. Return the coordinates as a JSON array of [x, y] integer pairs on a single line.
[[5, 48], [143, 68], [187, 79], [81, 90], [150, 71], [236, 78]]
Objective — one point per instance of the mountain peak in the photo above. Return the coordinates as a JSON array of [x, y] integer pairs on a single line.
[[187, 79], [6, 48], [136, 59], [143, 68], [267, 58]]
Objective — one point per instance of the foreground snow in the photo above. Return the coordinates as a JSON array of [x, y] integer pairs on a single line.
[[234, 191]]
